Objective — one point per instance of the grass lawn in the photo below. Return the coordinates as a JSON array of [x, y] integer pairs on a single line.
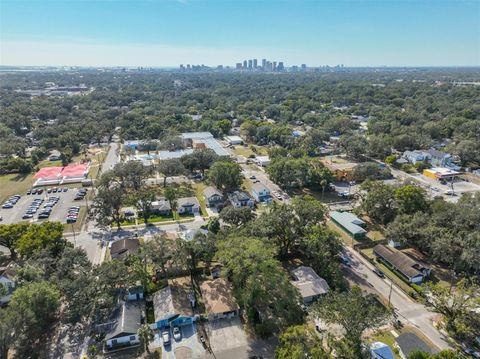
[[247, 151], [387, 338], [346, 239], [199, 187], [14, 184], [156, 218]]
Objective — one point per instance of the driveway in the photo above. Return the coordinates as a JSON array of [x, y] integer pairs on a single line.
[[226, 334], [188, 347]]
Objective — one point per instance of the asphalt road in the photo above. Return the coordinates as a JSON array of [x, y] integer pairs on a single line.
[[408, 311]]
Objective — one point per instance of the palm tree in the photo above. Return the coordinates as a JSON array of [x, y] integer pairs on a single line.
[[146, 335]]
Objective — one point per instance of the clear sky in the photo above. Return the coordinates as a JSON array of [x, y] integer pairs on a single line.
[[212, 32]]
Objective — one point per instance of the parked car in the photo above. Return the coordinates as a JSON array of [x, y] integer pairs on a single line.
[[166, 338], [253, 177], [7, 205], [379, 273], [177, 334], [39, 191], [29, 192], [49, 190]]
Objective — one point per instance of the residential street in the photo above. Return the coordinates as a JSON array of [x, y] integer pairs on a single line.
[[408, 311]]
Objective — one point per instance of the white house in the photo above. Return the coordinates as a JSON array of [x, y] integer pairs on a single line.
[[262, 161], [122, 332]]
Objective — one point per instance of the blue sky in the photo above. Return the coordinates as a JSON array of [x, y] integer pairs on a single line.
[[167, 33]]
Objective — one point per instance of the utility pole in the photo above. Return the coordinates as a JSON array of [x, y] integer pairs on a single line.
[[390, 294], [74, 239]]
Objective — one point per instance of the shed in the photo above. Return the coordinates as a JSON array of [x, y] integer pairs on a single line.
[[350, 223]]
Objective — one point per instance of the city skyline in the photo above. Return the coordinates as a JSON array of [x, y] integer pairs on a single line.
[[167, 33]]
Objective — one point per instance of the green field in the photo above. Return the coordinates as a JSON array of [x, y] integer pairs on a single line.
[[14, 184]]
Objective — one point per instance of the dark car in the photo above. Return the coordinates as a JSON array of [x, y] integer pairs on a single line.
[[27, 216], [29, 192], [379, 273], [40, 191]]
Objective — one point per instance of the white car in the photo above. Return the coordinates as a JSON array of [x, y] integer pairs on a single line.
[[177, 334], [166, 338]]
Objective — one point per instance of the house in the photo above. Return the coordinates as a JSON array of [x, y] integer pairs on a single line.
[[262, 161], [55, 155], [240, 199], [131, 145], [261, 193], [410, 269], [161, 207], [188, 205], [134, 293], [233, 140], [7, 285], [410, 342], [439, 158], [122, 331], [123, 247], [213, 197], [342, 171], [218, 299], [172, 306], [309, 284], [379, 350], [416, 156], [349, 223]]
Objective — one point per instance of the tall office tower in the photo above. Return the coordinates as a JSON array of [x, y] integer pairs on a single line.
[[188, 66], [280, 66], [244, 64], [238, 65], [264, 64], [269, 66], [182, 68], [250, 64], [304, 67], [254, 63], [274, 68]]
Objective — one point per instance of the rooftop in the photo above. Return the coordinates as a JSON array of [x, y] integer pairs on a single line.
[[308, 282], [410, 342], [349, 221], [210, 191], [128, 320], [399, 260], [218, 297]]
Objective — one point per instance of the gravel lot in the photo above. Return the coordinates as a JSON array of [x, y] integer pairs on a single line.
[[59, 211]]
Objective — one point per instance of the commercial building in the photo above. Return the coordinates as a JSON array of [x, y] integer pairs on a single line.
[[233, 140], [440, 173], [350, 224], [60, 175]]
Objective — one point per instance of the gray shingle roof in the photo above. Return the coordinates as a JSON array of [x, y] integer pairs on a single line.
[[403, 263], [211, 191], [308, 282], [188, 202], [127, 321]]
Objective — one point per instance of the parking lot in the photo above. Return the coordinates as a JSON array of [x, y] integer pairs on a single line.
[[58, 213]]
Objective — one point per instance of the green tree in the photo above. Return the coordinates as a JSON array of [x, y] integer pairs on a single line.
[[48, 235], [225, 175], [378, 202], [299, 342], [354, 312], [10, 233], [200, 159], [142, 200], [236, 216], [171, 195], [36, 306], [146, 335], [410, 199], [169, 168]]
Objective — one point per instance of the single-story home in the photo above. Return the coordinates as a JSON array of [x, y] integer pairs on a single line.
[[233, 140], [379, 350], [188, 205], [310, 285], [261, 193], [161, 207], [172, 306], [122, 331], [350, 224], [8, 283], [412, 270], [123, 247], [262, 161], [213, 197], [240, 199], [410, 342], [218, 299]]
